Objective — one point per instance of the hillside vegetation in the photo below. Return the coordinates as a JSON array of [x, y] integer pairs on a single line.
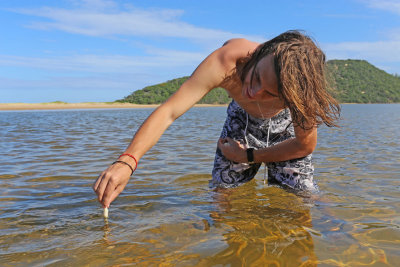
[[352, 81], [357, 81]]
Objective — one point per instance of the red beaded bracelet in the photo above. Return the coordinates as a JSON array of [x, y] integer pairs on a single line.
[[129, 155]]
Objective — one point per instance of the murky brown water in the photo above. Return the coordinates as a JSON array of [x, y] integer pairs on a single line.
[[168, 216]]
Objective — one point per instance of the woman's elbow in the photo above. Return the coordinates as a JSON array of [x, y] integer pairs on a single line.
[[306, 148]]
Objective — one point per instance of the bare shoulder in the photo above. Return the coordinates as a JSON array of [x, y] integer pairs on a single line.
[[213, 69], [226, 56], [240, 42], [234, 49]]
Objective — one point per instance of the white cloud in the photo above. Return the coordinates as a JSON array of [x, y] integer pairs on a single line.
[[383, 54], [69, 83], [387, 5], [377, 51], [95, 87], [69, 77], [70, 89], [95, 4], [158, 58], [394, 34], [103, 21]]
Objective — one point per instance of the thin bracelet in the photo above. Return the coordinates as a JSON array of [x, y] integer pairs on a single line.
[[123, 162], [129, 155]]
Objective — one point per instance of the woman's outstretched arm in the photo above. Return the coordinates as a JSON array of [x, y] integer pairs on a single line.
[[208, 75]]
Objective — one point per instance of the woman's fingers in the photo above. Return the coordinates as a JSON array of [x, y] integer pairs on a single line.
[[227, 141], [231, 141], [220, 143], [234, 142], [110, 183], [113, 195], [102, 186], [97, 182], [232, 149], [108, 191], [113, 189]]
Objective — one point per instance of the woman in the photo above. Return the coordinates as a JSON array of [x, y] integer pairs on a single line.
[[279, 98]]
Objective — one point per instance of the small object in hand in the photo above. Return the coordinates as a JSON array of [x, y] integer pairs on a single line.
[[105, 213]]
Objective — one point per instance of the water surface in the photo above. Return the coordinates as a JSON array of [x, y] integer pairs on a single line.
[[168, 215]]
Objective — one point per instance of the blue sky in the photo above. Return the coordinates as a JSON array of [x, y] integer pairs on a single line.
[[102, 50]]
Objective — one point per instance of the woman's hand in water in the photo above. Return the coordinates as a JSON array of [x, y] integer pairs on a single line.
[[111, 182], [232, 150]]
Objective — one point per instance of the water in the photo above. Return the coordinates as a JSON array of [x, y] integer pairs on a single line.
[[167, 215]]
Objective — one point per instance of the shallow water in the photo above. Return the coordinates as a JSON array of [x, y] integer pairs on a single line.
[[167, 214]]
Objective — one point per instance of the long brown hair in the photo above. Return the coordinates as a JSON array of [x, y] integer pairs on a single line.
[[300, 68]]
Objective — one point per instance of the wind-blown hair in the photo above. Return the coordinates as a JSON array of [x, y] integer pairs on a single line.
[[300, 68]]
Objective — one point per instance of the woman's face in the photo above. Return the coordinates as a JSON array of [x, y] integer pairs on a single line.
[[265, 82]]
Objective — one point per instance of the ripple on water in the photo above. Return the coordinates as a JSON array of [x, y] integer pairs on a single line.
[[168, 215]]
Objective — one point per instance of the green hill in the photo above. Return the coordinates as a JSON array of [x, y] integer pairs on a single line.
[[357, 81], [353, 81], [158, 93]]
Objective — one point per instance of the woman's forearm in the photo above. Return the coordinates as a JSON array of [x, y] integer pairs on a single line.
[[294, 148], [300, 146], [150, 132], [286, 150]]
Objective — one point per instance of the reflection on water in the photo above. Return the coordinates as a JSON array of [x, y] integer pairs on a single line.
[[168, 215], [267, 226]]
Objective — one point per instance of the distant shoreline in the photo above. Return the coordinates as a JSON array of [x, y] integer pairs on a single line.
[[99, 105], [86, 105]]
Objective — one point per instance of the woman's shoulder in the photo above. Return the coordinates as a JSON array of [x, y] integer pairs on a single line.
[[240, 42], [220, 63], [234, 49]]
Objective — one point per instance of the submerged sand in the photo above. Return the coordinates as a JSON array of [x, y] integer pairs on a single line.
[[88, 105]]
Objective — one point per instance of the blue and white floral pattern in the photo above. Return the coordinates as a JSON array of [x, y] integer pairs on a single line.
[[295, 174]]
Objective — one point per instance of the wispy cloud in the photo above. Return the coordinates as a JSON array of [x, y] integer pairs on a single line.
[[110, 70], [347, 16], [383, 53], [387, 5], [93, 18], [95, 4], [71, 89], [106, 18], [70, 82], [375, 51], [115, 75], [157, 58], [394, 34]]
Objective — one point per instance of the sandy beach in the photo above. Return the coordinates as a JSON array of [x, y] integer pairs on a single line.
[[87, 105]]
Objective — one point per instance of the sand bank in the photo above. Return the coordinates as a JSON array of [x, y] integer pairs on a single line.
[[89, 105]]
